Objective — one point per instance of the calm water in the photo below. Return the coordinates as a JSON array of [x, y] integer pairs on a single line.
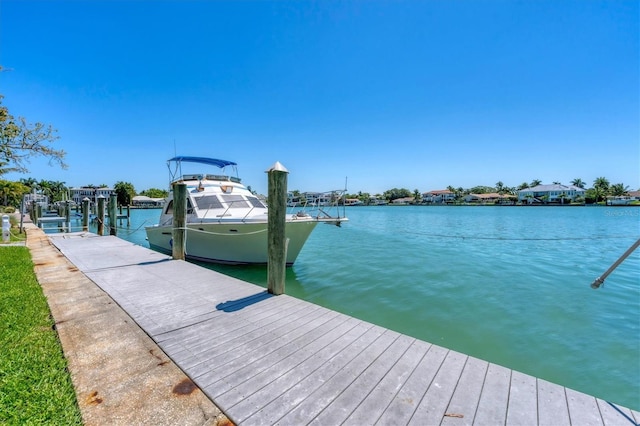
[[510, 285]]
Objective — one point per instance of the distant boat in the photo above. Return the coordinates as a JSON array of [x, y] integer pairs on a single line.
[[226, 223], [623, 200]]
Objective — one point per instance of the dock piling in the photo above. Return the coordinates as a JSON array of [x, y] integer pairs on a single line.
[[113, 214], [179, 232], [100, 214], [277, 244], [85, 214]]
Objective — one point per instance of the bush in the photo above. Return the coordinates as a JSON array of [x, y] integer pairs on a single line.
[[9, 209]]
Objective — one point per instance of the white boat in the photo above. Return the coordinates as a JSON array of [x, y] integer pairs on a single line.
[[227, 223]]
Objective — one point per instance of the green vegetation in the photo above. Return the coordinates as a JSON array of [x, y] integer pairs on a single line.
[[20, 141], [35, 387]]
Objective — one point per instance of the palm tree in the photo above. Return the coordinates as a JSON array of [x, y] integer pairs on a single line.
[[578, 182], [619, 189], [523, 185], [535, 182], [601, 187], [499, 187], [417, 197]]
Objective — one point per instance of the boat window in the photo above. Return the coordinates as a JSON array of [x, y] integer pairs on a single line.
[[255, 202], [208, 202], [169, 209], [235, 201]]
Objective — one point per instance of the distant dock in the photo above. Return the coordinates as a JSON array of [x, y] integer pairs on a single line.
[[267, 359]]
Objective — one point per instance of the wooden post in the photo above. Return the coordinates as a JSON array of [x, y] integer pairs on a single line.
[[100, 214], [67, 215], [85, 214], [34, 212], [179, 232], [113, 214], [276, 246]]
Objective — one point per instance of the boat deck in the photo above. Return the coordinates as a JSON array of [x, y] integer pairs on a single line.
[[267, 359]]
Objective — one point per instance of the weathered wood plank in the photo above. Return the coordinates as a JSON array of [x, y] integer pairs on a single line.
[[291, 343], [432, 407], [492, 408], [360, 389], [308, 409], [466, 396], [295, 353], [381, 396], [583, 409], [523, 400], [405, 403], [552, 404], [301, 391], [250, 346]]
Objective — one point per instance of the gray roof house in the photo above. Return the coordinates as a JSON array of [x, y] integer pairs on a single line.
[[554, 193]]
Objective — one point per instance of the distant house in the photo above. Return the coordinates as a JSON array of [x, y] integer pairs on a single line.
[[403, 201], [439, 196], [634, 195], [352, 202], [144, 202], [79, 194], [555, 193], [490, 198]]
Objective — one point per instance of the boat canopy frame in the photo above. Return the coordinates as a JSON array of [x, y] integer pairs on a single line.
[[215, 162]]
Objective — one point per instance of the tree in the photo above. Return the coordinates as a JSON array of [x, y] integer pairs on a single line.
[[417, 197], [499, 187], [601, 188], [20, 141], [11, 193], [395, 193], [535, 182], [619, 189], [125, 192], [578, 182], [523, 185], [155, 193]]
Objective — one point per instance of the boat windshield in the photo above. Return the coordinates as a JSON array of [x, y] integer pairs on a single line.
[[235, 201]]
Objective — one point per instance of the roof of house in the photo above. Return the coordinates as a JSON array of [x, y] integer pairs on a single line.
[[438, 192], [491, 195], [552, 187]]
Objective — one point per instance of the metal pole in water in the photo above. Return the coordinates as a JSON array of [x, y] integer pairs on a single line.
[[113, 214], [600, 280], [100, 212], [179, 232], [276, 242]]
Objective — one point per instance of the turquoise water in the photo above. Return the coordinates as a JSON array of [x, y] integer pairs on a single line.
[[510, 285]]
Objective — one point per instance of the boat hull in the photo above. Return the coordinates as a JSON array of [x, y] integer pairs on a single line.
[[231, 243]]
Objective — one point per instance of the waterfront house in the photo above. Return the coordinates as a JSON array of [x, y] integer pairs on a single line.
[[555, 193], [439, 196], [490, 198], [79, 194], [144, 202]]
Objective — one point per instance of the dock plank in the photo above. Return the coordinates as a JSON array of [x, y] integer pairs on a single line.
[[406, 401], [279, 360], [466, 396], [381, 396]]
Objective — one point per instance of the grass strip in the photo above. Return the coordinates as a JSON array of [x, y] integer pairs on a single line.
[[35, 385]]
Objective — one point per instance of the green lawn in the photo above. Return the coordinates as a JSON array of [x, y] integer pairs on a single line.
[[35, 386]]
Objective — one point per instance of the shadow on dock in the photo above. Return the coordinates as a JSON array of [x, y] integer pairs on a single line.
[[236, 305]]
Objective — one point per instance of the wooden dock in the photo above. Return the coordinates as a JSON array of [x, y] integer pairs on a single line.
[[267, 359]]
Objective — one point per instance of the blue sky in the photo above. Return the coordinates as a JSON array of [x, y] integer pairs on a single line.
[[389, 94]]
